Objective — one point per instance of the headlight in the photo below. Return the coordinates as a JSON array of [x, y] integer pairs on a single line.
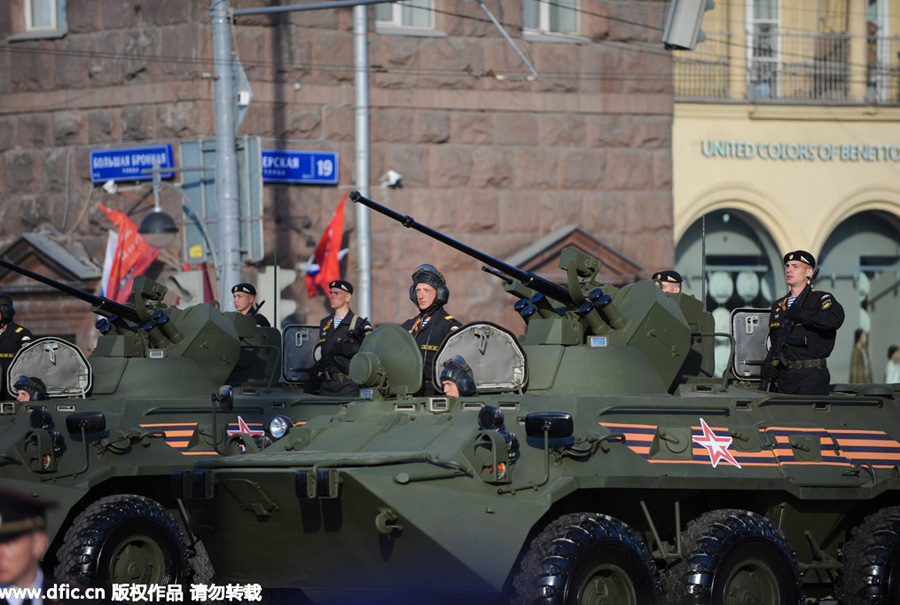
[[490, 418], [280, 426]]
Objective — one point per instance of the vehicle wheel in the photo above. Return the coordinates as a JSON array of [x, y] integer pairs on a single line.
[[587, 558], [733, 557], [125, 539], [871, 560]]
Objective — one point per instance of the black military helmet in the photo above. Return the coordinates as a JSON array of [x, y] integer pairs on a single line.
[[457, 371], [33, 386], [7, 312], [428, 274]]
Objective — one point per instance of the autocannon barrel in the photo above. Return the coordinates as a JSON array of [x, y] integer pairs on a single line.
[[527, 278], [101, 304]]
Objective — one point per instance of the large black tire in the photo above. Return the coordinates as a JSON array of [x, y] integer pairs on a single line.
[[587, 558], [871, 560], [732, 557], [125, 539]]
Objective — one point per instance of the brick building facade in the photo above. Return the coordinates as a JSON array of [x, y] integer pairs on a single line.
[[489, 157]]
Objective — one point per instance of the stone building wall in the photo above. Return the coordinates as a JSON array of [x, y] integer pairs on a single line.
[[496, 162]]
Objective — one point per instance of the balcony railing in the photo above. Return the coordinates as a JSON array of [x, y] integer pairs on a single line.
[[789, 67]]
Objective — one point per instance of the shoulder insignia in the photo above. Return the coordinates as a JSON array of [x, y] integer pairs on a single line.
[[448, 317], [454, 328], [24, 338], [826, 302], [19, 329]]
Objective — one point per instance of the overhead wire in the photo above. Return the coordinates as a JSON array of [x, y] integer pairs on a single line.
[[204, 64]]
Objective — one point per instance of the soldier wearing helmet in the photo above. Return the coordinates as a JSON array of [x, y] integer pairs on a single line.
[[30, 388], [456, 378], [12, 337], [430, 293]]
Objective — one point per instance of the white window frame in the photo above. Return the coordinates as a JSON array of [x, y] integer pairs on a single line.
[[29, 17], [24, 28], [396, 20], [751, 22], [543, 32]]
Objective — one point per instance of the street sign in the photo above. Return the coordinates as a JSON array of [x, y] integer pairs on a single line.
[[300, 167], [201, 230], [129, 163]]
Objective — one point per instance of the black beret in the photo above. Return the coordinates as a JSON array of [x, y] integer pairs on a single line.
[[20, 513], [247, 288], [800, 255], [673, 277], [341, 284]]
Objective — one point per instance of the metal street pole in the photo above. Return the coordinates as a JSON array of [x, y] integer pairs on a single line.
[[361, 60], [227, 204]]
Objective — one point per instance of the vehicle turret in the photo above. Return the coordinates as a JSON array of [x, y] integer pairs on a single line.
[[585, 336], [148, 348]]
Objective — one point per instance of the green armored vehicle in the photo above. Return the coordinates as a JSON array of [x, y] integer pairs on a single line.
[[163, 388], [598, 461]]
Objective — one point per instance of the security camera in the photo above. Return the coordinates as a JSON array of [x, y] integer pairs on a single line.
[[392, 179], [110, 187]]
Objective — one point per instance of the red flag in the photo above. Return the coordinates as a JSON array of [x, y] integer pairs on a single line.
[[326, 254], [132, 257]]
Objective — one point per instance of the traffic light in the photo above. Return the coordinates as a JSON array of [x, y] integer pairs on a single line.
[[268, 280], [683, 24]]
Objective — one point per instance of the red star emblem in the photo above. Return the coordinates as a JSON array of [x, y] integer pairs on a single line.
[[243, 428], [715, 445]]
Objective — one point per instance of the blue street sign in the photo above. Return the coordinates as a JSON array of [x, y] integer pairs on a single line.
[[302, 167], [129, 163]]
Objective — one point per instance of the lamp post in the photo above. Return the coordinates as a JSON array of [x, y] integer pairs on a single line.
[[158, 228]]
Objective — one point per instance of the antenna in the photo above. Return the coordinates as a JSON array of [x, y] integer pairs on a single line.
[[703, 260]]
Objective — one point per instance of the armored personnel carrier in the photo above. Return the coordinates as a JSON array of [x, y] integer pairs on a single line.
[[163, 388], [600, 460]]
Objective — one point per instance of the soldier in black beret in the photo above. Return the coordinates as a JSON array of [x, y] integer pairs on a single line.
[[668, 281], [802, 329], [23, 540], [340, 336], [244, 299]]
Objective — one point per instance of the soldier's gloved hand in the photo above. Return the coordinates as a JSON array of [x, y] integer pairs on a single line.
[[347, 349], [793, 313], [768, 371]]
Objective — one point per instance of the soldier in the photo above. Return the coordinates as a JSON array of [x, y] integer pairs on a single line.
[[340, 336], [244, 299], [430, 293], [456, 378], [12, 337], [802, 328], [30, 388], [23, 541], [668, 281]]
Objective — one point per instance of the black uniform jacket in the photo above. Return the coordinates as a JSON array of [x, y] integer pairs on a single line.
[[815, 326], [429, 332], [13, 338], [333, 342]]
